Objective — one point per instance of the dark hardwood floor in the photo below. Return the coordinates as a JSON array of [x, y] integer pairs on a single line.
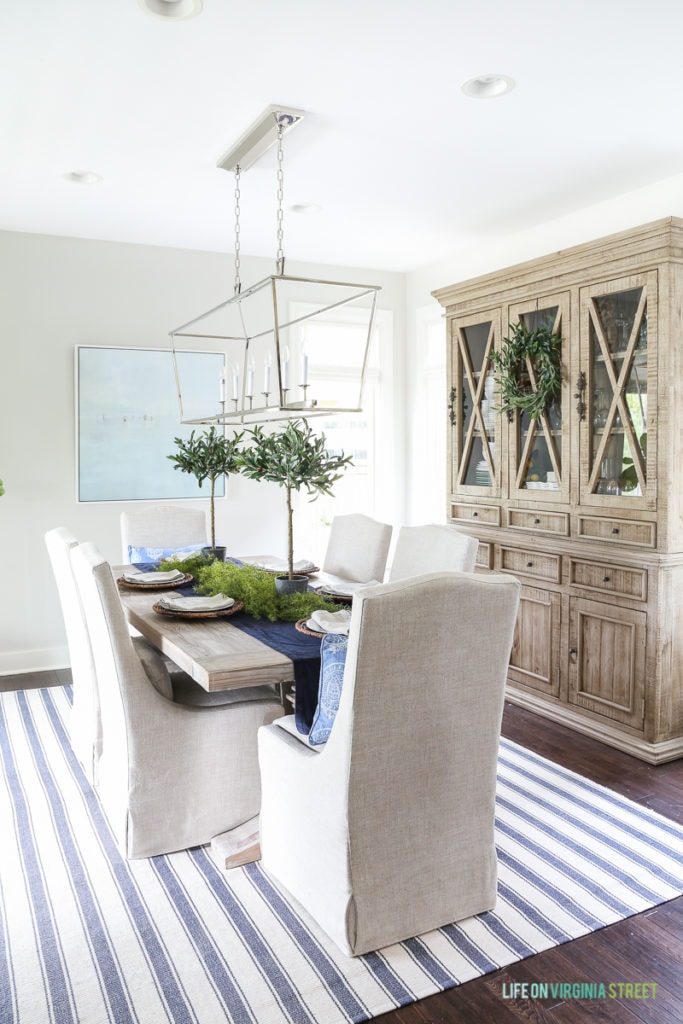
[[647, 948]]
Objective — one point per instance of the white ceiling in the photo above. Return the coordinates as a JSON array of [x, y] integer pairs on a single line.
[[402, 165]]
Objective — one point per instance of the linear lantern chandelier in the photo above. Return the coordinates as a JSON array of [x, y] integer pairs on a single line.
[[280, 352]]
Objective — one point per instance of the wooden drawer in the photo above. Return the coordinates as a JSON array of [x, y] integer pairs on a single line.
[[539, 565], [484, 555], [617, 531], [489, 515], [539, 522], [609, 579]]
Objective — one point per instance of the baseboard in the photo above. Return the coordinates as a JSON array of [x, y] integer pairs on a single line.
[[14, 663]]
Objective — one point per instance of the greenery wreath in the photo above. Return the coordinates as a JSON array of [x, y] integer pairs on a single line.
[[543, 350]]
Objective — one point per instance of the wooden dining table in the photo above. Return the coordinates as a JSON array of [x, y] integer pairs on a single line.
[[216, 654]]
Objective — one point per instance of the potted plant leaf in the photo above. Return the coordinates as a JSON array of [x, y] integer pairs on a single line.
[[209, 456], [294, 458]]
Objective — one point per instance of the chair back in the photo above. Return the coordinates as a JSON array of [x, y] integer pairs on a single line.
[[433, 548], [357, 549], [162, 526], [86, 721]]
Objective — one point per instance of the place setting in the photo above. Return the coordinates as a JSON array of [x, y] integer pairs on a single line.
[[322, 622], [198, 606], [155, 580]]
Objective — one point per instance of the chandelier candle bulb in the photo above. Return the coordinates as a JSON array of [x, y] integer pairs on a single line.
[[235, 381], [250, 380], [222, 386], [285, 368], [266, 374], [304, 369]]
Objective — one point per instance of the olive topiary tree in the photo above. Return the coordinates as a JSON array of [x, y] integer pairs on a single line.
[[208, 456], [294, 458]]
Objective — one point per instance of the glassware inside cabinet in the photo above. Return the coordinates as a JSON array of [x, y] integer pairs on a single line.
[[618, 413]]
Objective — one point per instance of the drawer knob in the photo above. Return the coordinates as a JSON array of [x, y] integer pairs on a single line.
[[615, 529], [572, 651], [537, 521], [605, 579], [529, 565], [474, 515]]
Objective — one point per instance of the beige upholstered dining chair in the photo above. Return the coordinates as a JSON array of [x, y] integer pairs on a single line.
[[171, 775], [387, 831], [357, 549], [432, 548], [162, 526], [85, 729]]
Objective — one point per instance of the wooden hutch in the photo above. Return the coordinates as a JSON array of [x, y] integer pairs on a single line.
[[585, 504]]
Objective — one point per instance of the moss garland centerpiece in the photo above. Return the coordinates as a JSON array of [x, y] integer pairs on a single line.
[[254, 587], [539, 349]]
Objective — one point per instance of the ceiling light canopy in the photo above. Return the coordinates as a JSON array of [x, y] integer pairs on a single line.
[[172, 10], [277, 338], [487, 87], [83, 177]]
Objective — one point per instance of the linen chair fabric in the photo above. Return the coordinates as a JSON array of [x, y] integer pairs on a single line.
[[171, 776], [357, 549], [163, 526], [85, 727], [391, 832], [432, 548]]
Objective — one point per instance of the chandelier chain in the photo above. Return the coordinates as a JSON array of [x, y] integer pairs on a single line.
[[238, 283], [280, 256]]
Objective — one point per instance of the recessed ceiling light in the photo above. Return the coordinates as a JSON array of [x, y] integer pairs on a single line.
[[83, 177], [305, 208], [487, 87], [172, 10]]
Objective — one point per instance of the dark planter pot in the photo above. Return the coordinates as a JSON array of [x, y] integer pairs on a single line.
[[297, 585], [214, 554]]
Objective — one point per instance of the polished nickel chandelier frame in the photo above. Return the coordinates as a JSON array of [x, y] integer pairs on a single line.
[[275, 335]]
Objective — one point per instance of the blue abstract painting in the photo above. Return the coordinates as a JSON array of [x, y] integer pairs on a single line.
[[127, 417]]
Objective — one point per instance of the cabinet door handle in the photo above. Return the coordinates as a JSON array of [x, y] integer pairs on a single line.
[[580, 388], [451, 406], [572, 651]]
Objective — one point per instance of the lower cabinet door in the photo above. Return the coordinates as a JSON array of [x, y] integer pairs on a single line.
[[607, 660], [534, 661]]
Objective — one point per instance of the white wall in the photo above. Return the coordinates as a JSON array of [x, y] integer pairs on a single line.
[[474, 256], [61, 292]]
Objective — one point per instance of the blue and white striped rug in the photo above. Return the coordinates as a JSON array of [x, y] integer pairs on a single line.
[[87, 937]]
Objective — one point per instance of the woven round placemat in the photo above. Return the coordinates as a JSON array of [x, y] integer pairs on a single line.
[[180, 613], [300, 624]]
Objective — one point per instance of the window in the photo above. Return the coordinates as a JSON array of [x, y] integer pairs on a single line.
[[368, 485]]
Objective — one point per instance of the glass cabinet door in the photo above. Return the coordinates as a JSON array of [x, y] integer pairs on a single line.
[[617, 355], [539, 452], [473, 419]]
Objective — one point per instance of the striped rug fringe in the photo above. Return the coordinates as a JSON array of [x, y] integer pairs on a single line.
[[88, 937]]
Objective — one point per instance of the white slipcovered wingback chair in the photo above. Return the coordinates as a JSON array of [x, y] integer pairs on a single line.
[[162, 526], [357, 549], [388, 830], [85, 728], [432, 548], [171, 775]]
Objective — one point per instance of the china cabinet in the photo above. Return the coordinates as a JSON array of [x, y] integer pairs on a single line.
[[585, 503]]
